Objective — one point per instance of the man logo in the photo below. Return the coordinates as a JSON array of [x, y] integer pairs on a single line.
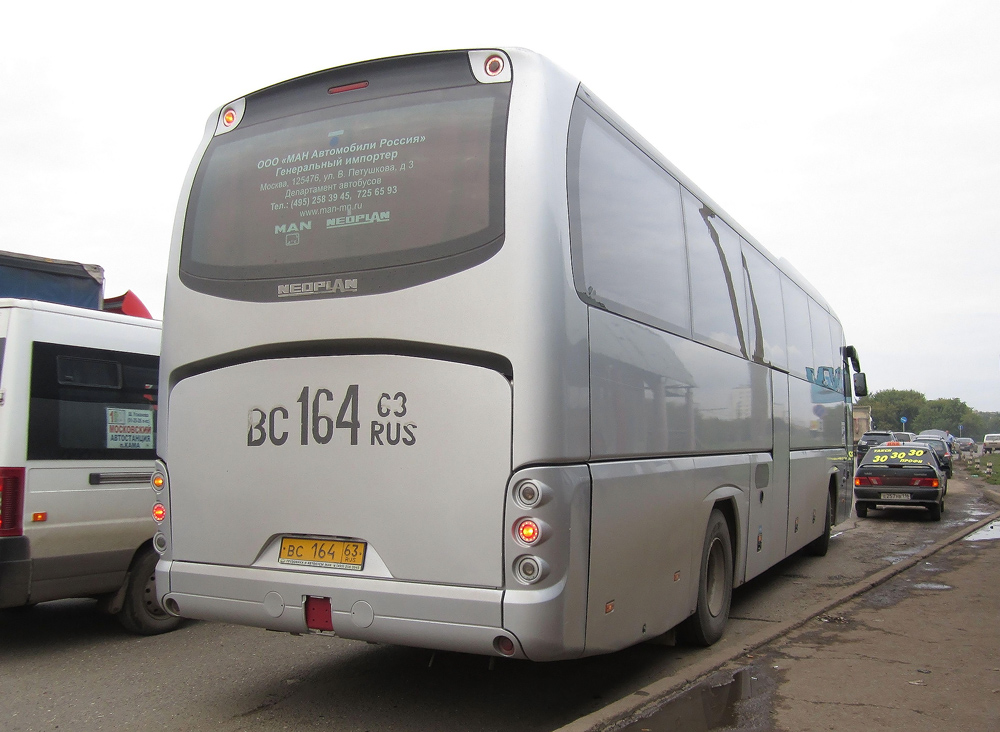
[[294, 226]]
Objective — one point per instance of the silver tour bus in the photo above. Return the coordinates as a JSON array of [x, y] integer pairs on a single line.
[[452, 358]]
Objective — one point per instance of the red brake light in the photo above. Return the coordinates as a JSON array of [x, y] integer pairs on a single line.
[[861, 480], [494, 65], [528, 531], [347, 87], [11, 501], [159, 512]]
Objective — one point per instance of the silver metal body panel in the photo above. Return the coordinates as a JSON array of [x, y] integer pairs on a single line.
[[442, 479], [810, 472], [646, 542], [768, 524]]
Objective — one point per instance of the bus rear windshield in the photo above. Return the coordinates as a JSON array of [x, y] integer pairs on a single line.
[[374, 194]]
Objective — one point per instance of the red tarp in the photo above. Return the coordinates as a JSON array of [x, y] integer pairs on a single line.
[[127, 304]]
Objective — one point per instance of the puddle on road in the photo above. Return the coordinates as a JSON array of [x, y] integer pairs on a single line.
[[990, 531], [736, 704], [931, 586]]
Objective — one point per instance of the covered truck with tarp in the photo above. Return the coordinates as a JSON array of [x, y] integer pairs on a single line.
[[26, 277]]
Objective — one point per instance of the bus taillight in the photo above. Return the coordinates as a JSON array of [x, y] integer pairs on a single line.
[[11, 501], [159, 512], [494, 65], [347, 87], [527, 531]]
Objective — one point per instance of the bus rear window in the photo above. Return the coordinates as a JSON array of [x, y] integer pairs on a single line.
[[373, 194]]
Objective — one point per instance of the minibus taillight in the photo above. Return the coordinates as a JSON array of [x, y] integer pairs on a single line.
[[11, 501]]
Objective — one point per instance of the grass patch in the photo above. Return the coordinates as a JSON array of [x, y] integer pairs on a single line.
[[992, 459]]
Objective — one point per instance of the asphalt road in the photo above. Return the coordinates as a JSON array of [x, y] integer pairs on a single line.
[[64, 666]]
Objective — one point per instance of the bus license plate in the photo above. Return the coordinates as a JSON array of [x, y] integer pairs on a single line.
[[330, 553], [896, 496]]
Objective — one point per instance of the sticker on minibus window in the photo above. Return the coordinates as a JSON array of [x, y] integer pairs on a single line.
[[129, 429]]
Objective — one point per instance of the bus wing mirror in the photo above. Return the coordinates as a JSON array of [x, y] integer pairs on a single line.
[[851, 353], [860, 385]]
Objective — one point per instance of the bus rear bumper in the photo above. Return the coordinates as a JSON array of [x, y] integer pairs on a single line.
[[463, 619]]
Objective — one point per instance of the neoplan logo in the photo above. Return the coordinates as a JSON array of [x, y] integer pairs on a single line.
[[375, 217], [320, 287]]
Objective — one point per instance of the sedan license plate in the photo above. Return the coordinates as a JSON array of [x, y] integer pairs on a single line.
[[895, 496], [330, 553]]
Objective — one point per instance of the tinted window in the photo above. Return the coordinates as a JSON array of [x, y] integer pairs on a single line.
[[88, 403], [797, 327], [350, 189], [822, 345], [90, 372], [626, 225], [717, 291], [767, 314]]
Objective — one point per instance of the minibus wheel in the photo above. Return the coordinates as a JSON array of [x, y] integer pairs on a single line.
[[141, 613]]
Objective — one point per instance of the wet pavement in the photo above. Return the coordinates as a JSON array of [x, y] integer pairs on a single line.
[[918, 650]]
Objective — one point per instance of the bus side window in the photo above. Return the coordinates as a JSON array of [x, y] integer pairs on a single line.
[[766, 320], [797, 327], [718, 308], [626, 226], [823, 352]]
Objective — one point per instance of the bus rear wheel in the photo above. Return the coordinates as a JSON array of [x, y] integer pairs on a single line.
[[715, 585]]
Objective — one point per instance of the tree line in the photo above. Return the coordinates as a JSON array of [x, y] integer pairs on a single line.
[[890, 405]]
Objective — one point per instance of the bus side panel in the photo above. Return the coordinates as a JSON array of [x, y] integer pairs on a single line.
[[818, 450], [649, 519], [654, 393], [642, 534], [768, 526]]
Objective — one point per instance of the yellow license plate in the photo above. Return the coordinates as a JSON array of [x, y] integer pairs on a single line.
[[332, 553]]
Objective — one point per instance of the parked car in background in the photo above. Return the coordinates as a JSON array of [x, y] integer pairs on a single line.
[[904, 436], [991, 443], [940, 446], [871, 439], [965, 444], [909, 474]]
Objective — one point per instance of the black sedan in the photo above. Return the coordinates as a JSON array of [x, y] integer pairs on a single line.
[[907, 474], [870, 439]]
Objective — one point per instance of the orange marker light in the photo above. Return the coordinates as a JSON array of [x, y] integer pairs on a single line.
[[159, 512], [40, 516], [158, 481], [527, 531], [229, 117]]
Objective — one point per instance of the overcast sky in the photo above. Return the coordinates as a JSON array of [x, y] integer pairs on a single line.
[[859, 140]]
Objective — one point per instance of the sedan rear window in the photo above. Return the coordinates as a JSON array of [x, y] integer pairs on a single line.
[[899, 455]]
